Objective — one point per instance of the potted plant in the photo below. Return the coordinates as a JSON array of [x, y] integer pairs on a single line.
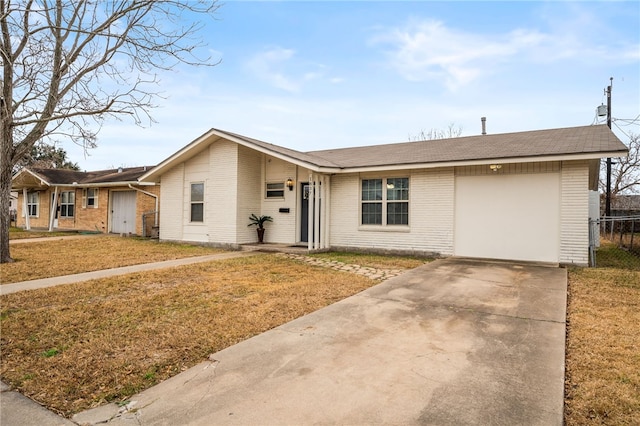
[[259, 222]]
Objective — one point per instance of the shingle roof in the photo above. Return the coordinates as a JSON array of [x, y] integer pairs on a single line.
[[591, 141], [307, 157], [68, 177], [539, 143]]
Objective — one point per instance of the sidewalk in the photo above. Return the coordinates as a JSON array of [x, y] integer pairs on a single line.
[[86, 276]]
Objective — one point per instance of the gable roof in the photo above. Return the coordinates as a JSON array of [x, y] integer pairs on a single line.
[[41, 178], [586, 142]]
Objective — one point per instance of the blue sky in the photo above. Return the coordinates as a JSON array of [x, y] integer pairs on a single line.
[[316, 75]]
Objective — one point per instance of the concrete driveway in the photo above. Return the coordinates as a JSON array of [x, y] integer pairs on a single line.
[[452, 342]]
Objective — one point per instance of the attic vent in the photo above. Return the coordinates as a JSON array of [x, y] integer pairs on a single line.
[[119, 169]]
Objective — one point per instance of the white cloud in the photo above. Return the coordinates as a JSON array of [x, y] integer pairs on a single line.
[[431, 50], [281, 68], [268, 66]]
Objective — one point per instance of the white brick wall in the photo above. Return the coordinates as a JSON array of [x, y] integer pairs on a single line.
[[430, 214], [283, 227], [249, 190], [196, 170], [574, 213], [171, 200], [221, 207]]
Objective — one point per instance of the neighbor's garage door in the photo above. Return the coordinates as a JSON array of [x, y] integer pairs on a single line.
[[515, 216]]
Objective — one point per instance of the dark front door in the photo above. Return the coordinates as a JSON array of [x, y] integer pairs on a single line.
[[306, 193], [304, 212]]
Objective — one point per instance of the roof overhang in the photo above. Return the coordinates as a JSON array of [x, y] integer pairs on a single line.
[[25, 178], [212, 136], [483, 161]]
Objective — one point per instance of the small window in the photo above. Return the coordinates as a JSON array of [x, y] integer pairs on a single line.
[[197, 202], [67, 203], [33, 201], [90, 198], [275, 190]]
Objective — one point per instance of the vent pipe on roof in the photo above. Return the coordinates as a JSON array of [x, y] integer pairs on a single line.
[[119, 169], [484, 125]]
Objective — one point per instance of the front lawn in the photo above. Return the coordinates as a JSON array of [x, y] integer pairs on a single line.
[[52, 258], [78, 346], [602, 383], [19, 234]]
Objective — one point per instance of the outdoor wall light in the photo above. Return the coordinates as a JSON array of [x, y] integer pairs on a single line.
[[495, 167], [290, 184]]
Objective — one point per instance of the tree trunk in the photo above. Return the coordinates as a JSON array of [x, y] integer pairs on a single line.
[[5, 199]]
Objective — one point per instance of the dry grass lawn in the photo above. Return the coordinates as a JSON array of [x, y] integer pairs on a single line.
[[75, 347], [52, 258], [602, 383], [19, 234]]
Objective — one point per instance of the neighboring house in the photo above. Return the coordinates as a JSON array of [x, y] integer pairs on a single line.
[[103, 201], [13, 206], [520, 196], [625, 204]]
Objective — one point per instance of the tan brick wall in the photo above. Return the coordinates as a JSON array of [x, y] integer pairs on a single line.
[[42, 220], [146, 204], [93, 218], [85, 219]]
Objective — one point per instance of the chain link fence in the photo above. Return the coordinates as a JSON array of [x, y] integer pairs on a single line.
[[150, 229], [614, 241]]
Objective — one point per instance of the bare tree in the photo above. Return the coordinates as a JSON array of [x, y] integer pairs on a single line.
[[70, 64], [625, 171], [452, 131]]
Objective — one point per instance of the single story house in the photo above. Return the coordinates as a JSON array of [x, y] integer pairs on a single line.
[[520, 196], [103, 201]]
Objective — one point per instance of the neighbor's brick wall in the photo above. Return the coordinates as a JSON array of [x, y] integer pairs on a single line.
[[146, 204], [90, 218], [42, 220]]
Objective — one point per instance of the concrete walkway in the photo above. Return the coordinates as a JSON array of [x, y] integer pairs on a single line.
[[452, 342], [86, 276]]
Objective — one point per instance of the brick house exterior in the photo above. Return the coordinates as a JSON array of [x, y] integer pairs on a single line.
[[107, 201]]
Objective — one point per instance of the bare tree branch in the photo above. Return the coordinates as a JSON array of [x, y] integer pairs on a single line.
[[625, 171], [70, 64]]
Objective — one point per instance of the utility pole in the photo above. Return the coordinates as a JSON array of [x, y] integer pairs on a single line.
[[607, 205]]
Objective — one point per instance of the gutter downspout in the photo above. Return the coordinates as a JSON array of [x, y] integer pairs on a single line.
[[54, 207], [155, 221], [26, 210]]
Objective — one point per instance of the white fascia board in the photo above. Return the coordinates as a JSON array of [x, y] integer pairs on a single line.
[[278, 155], [196, 145], [38, 177], [483, 161], [97, 185], [176, 158]]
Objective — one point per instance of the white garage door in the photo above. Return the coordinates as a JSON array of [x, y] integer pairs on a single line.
[[508, 216], [123, 212]]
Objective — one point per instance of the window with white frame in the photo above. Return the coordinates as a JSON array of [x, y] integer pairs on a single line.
[[90, 198], [197, 202], [33, 201], [67, 203], [274, 190], [385, 201]]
